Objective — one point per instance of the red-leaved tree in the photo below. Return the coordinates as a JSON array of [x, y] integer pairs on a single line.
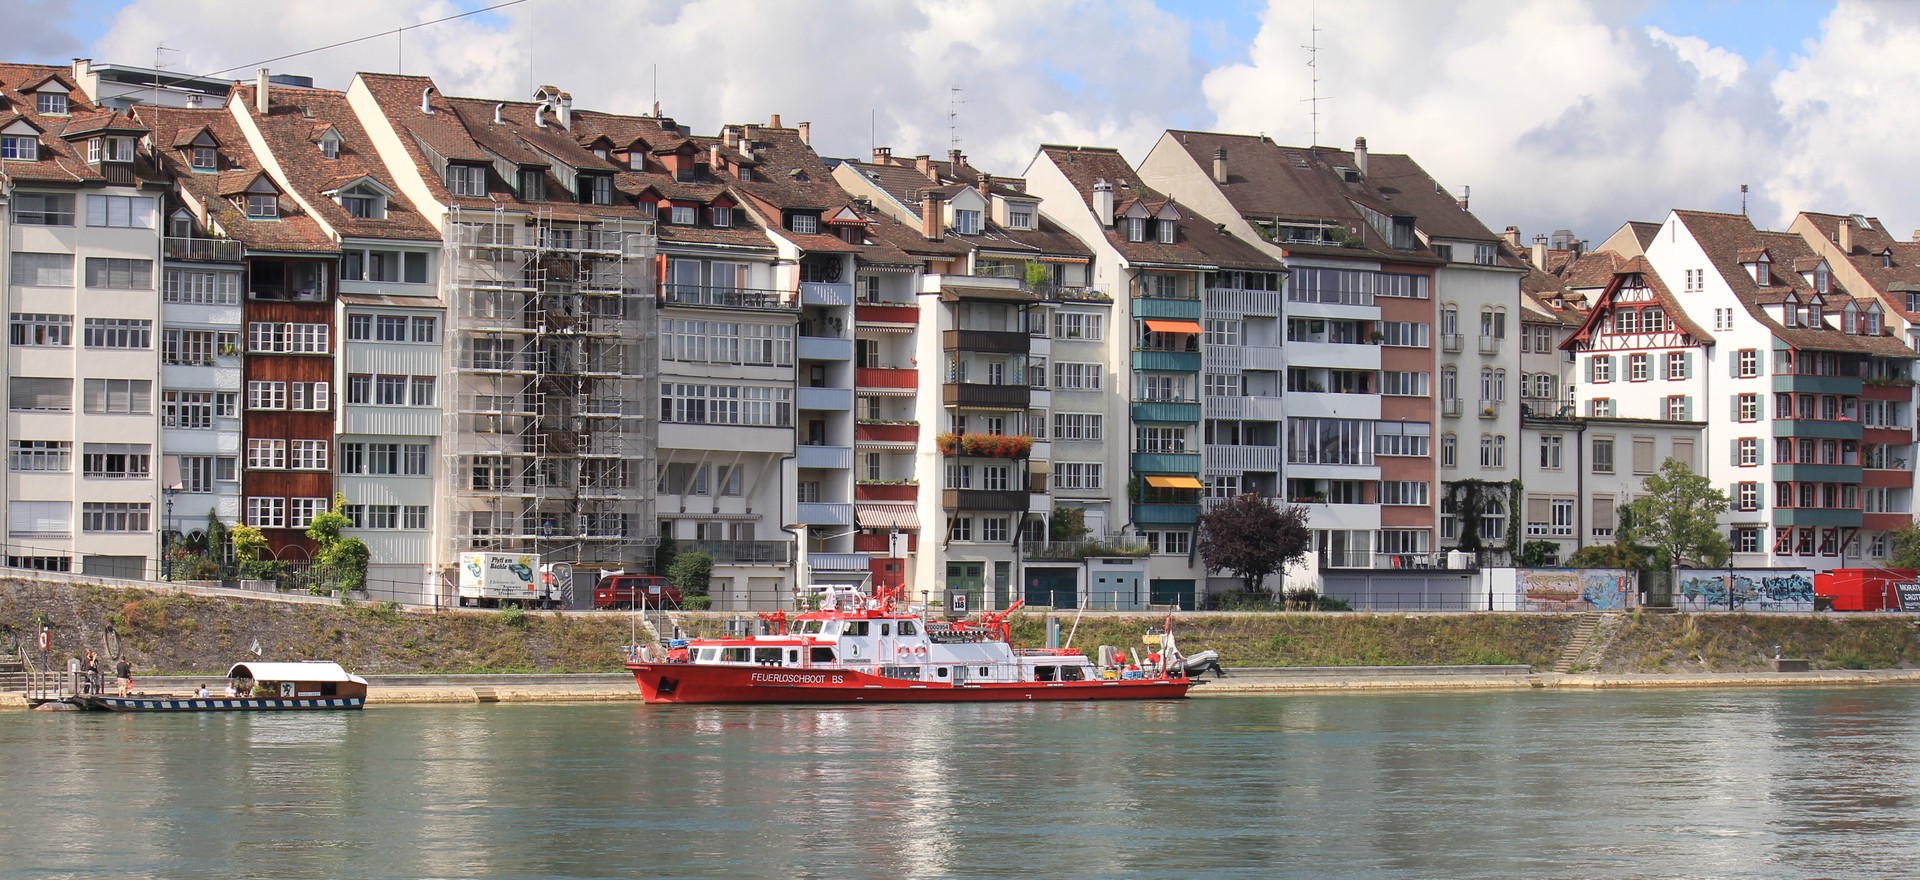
[[1253, 538]]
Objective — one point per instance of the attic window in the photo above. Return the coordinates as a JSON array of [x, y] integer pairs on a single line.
[[21, 148], [1136, 228], [1815, 316], [1886, 259], [1019, 216], [109, 149], [966, 222], [596, 189], [50, 102], [330, 146], [685, 215], [1873, 320], [263, 206], [722, 217], [533, 185], [636, 160], [600, 151], [364, 202], [746, 173], [1165, 230], [805, 224], [466, 180], [1763, 274], [204, 159], [1822, 280]]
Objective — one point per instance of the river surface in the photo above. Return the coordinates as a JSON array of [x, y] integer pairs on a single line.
[[1686, 783]]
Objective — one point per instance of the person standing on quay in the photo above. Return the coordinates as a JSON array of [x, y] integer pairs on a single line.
[[91, 669], [124, 671]]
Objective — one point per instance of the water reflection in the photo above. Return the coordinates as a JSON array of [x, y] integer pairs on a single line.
[[1748, 783]]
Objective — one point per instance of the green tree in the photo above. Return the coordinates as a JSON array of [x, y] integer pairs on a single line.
[[691, 573], [663, 553], [248, 543], [1677, 515], [341, 561], [1608, 556], [1253, 538], [1069, 525], [1906, 546]]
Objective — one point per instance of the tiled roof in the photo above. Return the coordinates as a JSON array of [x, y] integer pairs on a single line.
[[61, 162], [1268, 180], [1725, 237], [1869, 243], [1197, 241], [1590, 270], [289, 127], [293, 231], [905, 183]]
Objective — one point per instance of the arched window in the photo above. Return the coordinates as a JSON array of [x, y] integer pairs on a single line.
[[1493, 518], [1449, 383], [1487, 385], [1449, 450]]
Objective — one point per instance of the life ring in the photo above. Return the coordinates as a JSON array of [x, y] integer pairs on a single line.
[[920, 650], [905, 651]]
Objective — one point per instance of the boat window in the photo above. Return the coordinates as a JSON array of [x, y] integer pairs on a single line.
[[942, 672], [736, 655], [1043, 673], [886, 629], [854, 628], [810, 627], [985, 672], [830, 627], [767, 656], [793, 656], [707, 654], [1070, 673], [908, 629], [822, 655]]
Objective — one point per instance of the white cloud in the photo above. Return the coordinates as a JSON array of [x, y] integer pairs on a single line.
[[1558, 113]]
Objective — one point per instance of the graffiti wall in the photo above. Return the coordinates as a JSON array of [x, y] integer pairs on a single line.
[[1575, 589], [1768, 589]]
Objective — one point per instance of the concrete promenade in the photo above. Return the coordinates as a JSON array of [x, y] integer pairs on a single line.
[[399, 690]]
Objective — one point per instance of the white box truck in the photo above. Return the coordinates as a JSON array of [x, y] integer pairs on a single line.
[[488, 579]]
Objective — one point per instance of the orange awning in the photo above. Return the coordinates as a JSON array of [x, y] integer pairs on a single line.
[[1173, 326], [1173, 482]]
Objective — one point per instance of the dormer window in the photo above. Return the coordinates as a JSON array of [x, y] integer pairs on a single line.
[[109, 149], [204, 159], [1790, 312], [180, 225], [50, 102], [364, 202], [1019, 215], [533, 185], [722, 217], [1136, 228], [20, 148], [330, 145], [1165, 230], [966, 222], [649, 210], [1815, 317], [1886, 259], [1873, 320], [805, 224], [596, 189], [263, 206], [1763, 274], [746, 173], [466, 180], [684, 215], [636, 161], [600, 152], [1822, 280]]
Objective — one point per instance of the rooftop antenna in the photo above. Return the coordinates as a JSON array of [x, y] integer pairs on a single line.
[[1313, 68], [953, 118], [1743, 200], [656, 88], [400, 51], [157, 67]]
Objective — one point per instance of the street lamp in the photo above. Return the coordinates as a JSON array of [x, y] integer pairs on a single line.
[[166, 553]]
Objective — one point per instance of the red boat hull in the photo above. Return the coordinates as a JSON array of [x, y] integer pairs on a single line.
[[702, 683]]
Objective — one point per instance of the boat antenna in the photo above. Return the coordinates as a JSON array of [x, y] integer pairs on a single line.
[[1076, 626]]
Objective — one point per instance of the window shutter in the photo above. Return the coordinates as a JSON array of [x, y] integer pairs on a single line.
[[1590, 361], [1603, 514], [1733, 407], [1686, 408], [1539, 509]]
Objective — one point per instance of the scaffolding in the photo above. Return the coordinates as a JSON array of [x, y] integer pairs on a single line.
[[551, 356]]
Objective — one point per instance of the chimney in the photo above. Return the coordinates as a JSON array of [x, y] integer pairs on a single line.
[[746, 132], [925, 166], [773, 121], [540, 115], [1540, 252], [986, 185], [426, 105], [882, 155], [1103, 202], [1466, 192], [1845, 238], [806, 132], [1220, 166], [714, 162], [1512, 235], [497, 119], [956, 159], [1360, 156], [932, 221], [566, 111], [727, 135], [260, 93], [193, 99]]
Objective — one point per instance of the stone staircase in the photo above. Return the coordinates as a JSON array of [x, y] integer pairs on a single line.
[[13, 673], [1590, 635]]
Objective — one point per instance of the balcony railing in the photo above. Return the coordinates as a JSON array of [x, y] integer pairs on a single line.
[[983, 499], [1167, 463], [1489, 409], [202, 250], [824, 514], [988, 341], [886, 377], [874, 434], [1071, 551], [886, 491], [741, 552], [827, 399], [1450, 406], [1490, 344], [1450, 343], [727, 297], [886, 313], [980, 394], [824, 293], [828, 457]]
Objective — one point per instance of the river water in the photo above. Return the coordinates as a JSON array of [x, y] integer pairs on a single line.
[[1721, 783]]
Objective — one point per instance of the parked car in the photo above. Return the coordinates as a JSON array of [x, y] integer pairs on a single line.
[[635, 591]]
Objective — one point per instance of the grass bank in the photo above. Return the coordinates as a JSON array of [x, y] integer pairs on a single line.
[[182, 634]]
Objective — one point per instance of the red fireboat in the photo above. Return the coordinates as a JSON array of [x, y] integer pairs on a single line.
[[877, 649]]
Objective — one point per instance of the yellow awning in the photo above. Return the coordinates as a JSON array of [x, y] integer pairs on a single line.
[[1173, 326], [1173, 482]]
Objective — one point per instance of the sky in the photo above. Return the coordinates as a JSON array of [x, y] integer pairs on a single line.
[[1554, 114]]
